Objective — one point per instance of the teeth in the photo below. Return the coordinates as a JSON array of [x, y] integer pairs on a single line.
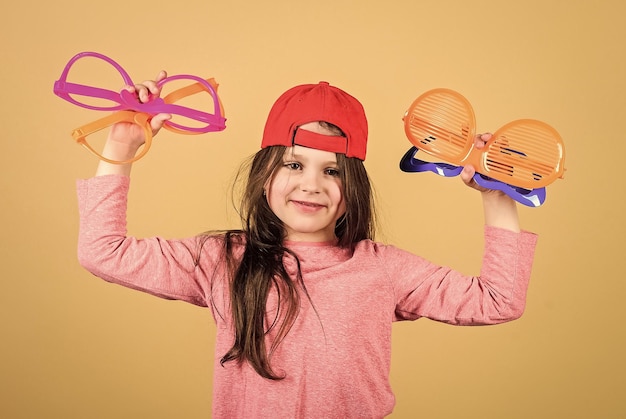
[[309, 204]]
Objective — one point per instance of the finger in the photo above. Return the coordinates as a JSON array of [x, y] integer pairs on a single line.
[[153, 85], [162, 75], [467, 174], [156, 123], [146, 89], [481, 139], [150, 88]]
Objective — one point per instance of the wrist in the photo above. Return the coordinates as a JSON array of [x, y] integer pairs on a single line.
[[117, 151], [500, 210]]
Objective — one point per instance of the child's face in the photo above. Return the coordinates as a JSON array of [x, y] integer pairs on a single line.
[[306, 193]]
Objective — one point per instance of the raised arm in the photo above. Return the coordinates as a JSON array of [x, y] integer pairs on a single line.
[[165, 268], [497, 295]]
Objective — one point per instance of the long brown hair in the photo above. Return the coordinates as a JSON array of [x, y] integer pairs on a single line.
[[260, 268]]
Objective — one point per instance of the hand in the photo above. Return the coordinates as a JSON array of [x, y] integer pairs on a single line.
[[467, 175], [131, 134], [499, 209], [126, 138]]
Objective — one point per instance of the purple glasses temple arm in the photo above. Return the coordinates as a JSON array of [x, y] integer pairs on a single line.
[[531, 198]]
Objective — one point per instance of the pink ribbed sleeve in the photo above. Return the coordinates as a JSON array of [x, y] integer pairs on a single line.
[[443, 294], [165, 268]]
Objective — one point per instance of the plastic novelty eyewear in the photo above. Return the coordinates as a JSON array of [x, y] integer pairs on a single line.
[[128, 108], [520, 159]]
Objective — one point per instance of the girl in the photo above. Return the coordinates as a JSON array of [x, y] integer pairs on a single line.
[[302, 296]]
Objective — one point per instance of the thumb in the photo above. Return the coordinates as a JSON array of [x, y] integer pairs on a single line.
[[157, 122], [467, 174]]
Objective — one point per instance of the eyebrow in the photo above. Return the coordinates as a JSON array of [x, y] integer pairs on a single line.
[[301, 157], [291, 154]]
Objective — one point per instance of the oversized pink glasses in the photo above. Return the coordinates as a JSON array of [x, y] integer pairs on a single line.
[[128, 108]]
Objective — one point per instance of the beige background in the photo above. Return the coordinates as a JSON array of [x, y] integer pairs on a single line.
[[73, 346]]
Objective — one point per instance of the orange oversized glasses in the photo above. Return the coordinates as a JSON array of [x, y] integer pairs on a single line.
[[520, 159]]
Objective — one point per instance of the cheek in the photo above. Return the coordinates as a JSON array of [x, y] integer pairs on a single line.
[[342, 207], [271, 196], [277, 188], [338, 197]]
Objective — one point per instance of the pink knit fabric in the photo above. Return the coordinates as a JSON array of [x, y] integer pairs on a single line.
[[336, 358]]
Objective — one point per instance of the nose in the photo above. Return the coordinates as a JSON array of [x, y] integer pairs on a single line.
[[310, 181]]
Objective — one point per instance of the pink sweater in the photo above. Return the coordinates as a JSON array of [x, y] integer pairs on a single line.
[[336, 358]]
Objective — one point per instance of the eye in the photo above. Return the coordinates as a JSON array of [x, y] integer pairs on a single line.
[[331, 171], [292, 165]]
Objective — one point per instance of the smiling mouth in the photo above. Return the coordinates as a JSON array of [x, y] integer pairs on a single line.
[[311, 205]]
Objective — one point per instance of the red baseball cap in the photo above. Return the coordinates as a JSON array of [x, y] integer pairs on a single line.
[[317, 102]]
